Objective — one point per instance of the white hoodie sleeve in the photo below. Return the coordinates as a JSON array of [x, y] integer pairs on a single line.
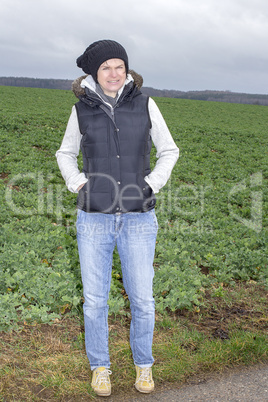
[[167, 151], [67, 155]]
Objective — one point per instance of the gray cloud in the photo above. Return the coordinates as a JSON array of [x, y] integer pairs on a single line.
[[174, 44]]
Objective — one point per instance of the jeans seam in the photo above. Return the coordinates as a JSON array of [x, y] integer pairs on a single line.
[[133, 318]]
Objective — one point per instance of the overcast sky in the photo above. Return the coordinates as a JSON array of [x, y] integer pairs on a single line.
[[173, 44]]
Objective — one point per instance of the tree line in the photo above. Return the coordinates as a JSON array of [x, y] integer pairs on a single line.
[[215, 96]]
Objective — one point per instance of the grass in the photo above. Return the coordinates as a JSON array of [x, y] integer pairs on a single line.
[[48, 362]]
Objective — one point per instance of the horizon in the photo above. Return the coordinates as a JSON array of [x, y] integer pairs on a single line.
[[144, 86]]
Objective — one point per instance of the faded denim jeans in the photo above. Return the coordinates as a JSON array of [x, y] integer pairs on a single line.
[[134, 234]]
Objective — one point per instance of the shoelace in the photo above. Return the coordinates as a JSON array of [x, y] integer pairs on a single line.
[[103, 377], [144, 375]]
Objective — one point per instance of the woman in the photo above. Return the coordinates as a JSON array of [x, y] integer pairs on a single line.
[[114, 125]]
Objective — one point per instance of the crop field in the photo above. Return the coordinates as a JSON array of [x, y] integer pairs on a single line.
[[212, 214], [211, 276]]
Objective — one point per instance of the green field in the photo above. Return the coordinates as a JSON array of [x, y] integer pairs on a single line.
[[211, 276], [212, 213]]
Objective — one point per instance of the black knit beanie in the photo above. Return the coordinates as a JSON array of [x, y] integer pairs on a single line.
[[97, 53]]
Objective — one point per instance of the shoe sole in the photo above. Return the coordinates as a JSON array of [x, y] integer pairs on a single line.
[[144, 391], [102, 393]]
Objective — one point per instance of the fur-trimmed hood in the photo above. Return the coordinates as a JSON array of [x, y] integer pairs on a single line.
[[79, 90]]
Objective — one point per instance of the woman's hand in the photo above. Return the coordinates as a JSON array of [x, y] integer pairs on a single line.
[[81, 185]]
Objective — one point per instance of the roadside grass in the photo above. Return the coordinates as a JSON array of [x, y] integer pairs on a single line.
[[48, 362]]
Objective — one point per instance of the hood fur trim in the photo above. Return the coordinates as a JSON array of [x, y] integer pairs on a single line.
[[79, 91]]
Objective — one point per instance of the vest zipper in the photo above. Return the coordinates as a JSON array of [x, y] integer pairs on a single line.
[[116, 129]]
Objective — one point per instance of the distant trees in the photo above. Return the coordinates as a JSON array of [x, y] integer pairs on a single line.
[[215, 96], [35, 82]]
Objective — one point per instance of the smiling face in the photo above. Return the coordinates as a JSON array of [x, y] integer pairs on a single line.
[[111, 76]]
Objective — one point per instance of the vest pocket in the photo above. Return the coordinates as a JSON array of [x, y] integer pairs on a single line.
[[149, 199]]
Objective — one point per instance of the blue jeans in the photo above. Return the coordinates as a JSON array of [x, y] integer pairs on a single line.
[[134, 234]]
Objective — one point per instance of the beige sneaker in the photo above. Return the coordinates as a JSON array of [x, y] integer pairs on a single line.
[[101, 382], [144, 380]]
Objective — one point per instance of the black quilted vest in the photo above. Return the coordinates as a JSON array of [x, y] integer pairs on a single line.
[[116, 154]]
